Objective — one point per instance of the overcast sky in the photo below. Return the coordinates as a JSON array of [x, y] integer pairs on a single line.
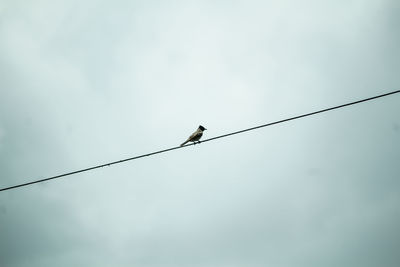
[[88, 82]]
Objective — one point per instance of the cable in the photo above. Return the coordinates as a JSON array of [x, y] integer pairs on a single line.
[[207, 140], [304, 115]]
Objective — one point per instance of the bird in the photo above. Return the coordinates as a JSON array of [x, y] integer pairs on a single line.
[[195, 136]]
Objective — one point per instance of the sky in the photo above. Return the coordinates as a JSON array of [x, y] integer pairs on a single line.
[[83, 83]]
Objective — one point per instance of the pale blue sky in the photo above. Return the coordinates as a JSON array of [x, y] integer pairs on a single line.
[[88, 82]]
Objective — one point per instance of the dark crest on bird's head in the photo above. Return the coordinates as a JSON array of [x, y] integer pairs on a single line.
[[202, 128]]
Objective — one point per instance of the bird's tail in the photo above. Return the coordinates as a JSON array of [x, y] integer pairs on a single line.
[[184, 143]]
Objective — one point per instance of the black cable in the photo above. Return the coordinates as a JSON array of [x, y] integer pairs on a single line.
[[210, 139], [304, 115]]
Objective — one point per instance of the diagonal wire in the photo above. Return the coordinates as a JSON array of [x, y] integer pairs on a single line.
[[303, 115], [207, 140]]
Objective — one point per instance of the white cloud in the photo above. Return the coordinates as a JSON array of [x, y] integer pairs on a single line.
[[88, 83], [2, 135]]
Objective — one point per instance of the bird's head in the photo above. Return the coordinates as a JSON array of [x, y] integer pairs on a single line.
[[202, 128]]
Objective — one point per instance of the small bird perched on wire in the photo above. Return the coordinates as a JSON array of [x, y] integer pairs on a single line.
[[195, 136]]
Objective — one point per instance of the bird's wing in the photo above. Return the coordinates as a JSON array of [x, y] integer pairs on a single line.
[[194, 135]]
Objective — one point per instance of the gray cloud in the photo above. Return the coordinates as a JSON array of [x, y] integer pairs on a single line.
[[87, 83]]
